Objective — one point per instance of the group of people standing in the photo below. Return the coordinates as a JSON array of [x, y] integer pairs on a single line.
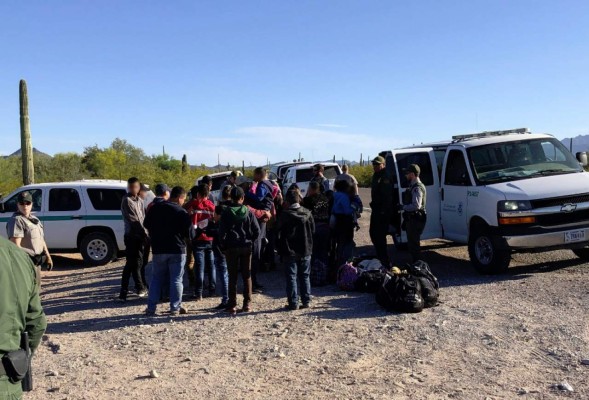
[[251, 221]]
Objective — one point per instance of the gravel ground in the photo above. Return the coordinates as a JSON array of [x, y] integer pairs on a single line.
[[502, 337]]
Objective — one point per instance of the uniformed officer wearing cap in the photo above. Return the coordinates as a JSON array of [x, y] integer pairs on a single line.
[[26, 231], [382, 208], [414, 214], [20, 310]]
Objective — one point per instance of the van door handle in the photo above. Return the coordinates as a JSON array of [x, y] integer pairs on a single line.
[[76, 217]]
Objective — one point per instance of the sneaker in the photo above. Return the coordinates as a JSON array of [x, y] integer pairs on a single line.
[[246, 309], [142, 293], [231, 310], [307, 305], [258, 289], [221, 306], [121, 298], [292, 307], [197, 297], [180, 311], [149, 313]]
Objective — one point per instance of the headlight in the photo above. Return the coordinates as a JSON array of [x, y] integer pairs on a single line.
[[514, 205]]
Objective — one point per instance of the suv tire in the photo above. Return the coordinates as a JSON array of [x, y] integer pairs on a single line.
[[97, 248], [583, 253], [485, 253]]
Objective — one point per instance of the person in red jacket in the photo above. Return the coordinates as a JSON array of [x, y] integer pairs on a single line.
[[202, 210]]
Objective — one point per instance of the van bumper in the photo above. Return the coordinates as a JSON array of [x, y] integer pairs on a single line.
[[553, 239]]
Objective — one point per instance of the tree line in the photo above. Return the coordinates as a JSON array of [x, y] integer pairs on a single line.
[[119, 161]]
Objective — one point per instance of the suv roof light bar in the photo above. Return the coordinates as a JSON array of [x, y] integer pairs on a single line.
[[459, 138]]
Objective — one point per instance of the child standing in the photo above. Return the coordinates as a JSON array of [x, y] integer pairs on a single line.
[[295, 230], [202, 210], [238, 231]]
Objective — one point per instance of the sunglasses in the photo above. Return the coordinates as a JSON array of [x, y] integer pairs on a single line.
[[25, 203]]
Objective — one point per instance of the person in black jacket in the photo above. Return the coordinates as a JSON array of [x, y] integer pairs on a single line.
[[168, 225], [238, 231], [295, 230]]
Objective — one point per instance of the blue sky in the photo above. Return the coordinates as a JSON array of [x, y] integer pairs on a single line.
[[257, 80]]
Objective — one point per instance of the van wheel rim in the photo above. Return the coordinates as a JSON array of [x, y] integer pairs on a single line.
[[97, 249], [484, 250]]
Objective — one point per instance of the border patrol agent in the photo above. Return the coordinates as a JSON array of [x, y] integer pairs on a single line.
[[20, 310], [414, 214], [26, 231], [382, 208]]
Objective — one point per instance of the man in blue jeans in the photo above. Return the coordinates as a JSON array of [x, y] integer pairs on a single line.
[[295, 229], [168, 225]]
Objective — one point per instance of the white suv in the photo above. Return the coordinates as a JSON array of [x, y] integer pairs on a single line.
[[82, 216], [218, 179], [303, 173]]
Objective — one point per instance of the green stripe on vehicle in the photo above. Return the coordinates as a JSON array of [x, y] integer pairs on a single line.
[[71, 218]]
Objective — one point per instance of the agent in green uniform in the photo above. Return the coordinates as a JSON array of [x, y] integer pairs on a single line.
[[20, 309], [382, 209], [414, 215], [26, 231]]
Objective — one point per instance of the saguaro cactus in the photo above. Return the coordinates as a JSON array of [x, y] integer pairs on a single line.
[[26, 144], [184, 164]]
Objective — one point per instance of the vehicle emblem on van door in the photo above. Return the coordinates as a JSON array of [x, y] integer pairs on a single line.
[[568, 208]]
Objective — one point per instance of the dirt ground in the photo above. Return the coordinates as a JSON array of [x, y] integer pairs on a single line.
[[502, 337]]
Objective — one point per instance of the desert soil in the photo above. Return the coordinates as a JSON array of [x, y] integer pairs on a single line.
[[492, 337]]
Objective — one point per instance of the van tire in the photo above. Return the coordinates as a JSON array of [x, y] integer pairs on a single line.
[[583, 253], [486, 254], [97, 248]]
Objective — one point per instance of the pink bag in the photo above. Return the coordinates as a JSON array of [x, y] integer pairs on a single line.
[[347, 275]]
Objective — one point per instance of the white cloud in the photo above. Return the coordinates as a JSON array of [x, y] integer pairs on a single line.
[[257, 144], [336, 126]]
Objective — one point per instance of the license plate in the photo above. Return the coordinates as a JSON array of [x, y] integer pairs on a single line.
[[574, 236]]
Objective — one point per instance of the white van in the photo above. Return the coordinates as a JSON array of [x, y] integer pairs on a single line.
[[303, 173], [82, 216], [499, 192]]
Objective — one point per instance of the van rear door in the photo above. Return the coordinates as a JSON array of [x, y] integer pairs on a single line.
[[426, 159]]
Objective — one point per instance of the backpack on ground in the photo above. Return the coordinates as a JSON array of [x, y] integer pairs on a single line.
[[347, 275], [429, 283], [400, 293], [370, 281], [319, 272]]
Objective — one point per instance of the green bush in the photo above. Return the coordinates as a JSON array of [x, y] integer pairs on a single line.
[[363, 174]]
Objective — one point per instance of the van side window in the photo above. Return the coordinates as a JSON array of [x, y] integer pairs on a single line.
[[106, 199], [10, 204], [425, 165], [456, 171], [67, 199]]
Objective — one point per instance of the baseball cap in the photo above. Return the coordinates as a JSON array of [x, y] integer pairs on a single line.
[[378, 160], [412, 168], [242, 179], [24, 196], [161, 189], [143, 188]]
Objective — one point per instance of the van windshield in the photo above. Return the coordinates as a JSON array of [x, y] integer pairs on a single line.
[[508, 161]]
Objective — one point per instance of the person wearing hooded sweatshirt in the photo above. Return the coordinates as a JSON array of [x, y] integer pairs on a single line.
[[202, 211], [295, 230], [238, 231]]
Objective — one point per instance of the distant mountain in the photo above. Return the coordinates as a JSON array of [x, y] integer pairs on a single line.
[[36, 152], [580, 143]]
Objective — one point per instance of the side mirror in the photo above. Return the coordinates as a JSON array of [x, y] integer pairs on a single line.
[[582, 157]]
